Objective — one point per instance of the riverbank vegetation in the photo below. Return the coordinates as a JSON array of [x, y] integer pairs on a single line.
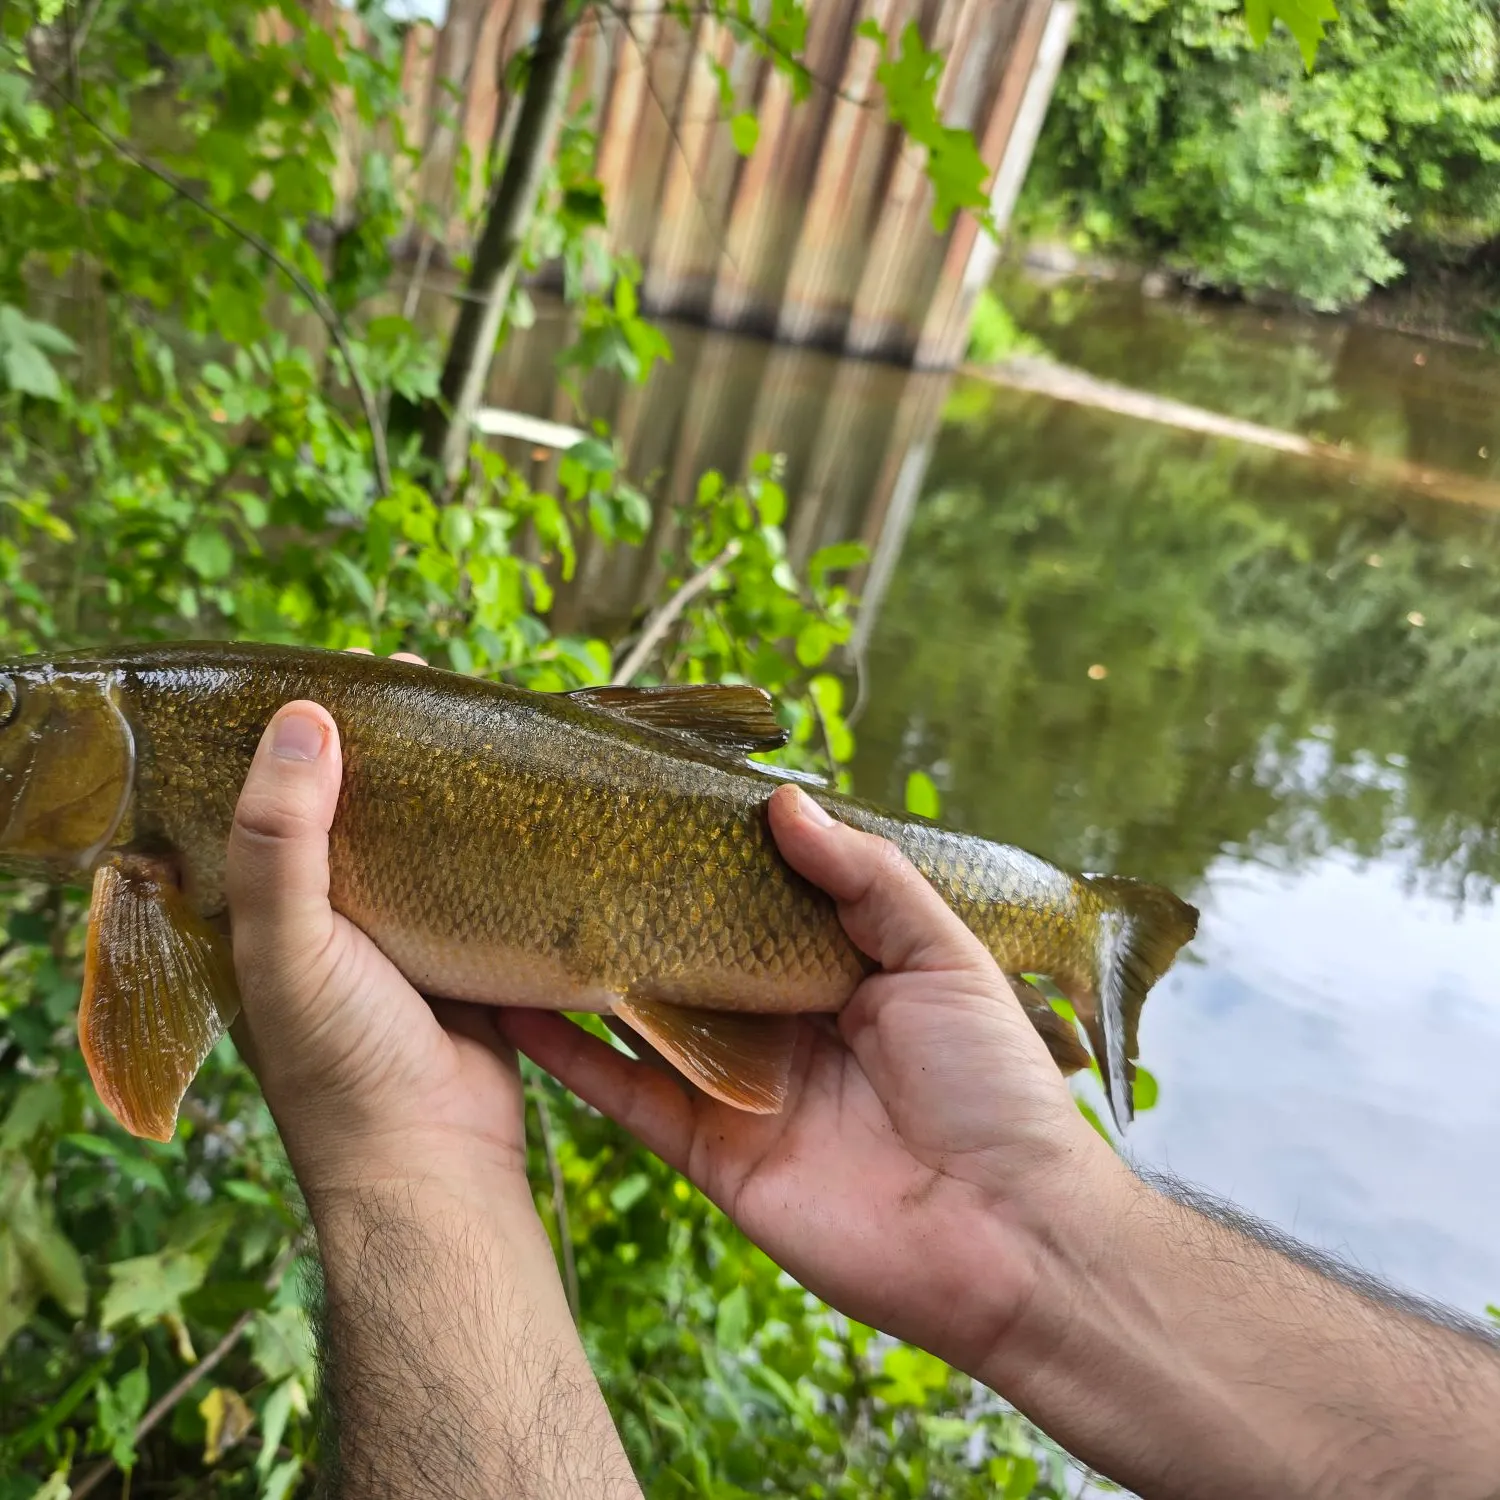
[[1173, 138]]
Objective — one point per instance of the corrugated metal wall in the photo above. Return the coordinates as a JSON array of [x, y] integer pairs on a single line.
[[823, 236]]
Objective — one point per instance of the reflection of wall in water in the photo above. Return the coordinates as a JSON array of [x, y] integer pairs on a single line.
[[855, 436]]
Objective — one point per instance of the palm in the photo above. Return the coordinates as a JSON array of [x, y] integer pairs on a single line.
[[916, 1125], [885, 1142]]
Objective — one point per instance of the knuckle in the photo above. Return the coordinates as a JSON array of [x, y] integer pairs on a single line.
[[891, 868], [267, 817]]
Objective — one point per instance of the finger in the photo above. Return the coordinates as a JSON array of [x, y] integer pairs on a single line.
[[410, 656], [633, 1094], [478, 1024], [278, 846], [886, 906]]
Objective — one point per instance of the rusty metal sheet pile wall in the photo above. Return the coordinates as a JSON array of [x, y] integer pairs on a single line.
[[823, 235]]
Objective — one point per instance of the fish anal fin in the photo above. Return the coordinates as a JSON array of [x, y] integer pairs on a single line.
[[158, 993], [1070, 1055], [741, 1058], [725, 716]]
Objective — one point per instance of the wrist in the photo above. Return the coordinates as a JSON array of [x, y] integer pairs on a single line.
[[430, 1170], [1064, 1232]]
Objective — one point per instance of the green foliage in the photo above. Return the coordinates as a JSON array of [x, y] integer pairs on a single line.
[[994, 334], [1305, 20], [910, 78], [1172, 136], [180, 454], [727, 1379], [922, 795]]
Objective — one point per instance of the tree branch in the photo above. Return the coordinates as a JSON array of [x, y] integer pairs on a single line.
[[210, 1361], [663, 620], [559, 1199]]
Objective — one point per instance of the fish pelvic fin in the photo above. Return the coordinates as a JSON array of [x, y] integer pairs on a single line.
[[158, 993], [1140, 930], [737, 1057]]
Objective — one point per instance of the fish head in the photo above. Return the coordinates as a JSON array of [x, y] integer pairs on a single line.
[[67, 768]]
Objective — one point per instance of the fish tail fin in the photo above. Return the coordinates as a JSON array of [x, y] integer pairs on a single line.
[[1139, 931]]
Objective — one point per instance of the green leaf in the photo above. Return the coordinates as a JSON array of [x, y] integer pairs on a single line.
[[629, 1191], [1145, 1092], [744, 128], [593, 454], [278, 1484], [36, 1109], [1305, 19], [30, 372], [209, 554], [146, 1287], [117, 1409], [732, 1324], [456, 528], [355, 577], [14, 93], [54, 1487], [837, 558], [281, 1344], [814, 641], [922, 795], [274, 1416], [910, 1376]]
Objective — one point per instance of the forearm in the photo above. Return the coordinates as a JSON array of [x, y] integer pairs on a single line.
[[452, 1364], [1183, 1356]]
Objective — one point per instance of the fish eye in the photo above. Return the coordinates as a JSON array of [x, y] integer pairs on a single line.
[[10, 699]]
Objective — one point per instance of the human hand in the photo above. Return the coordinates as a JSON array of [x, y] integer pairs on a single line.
[[443, 1309], [370, 1084], [928, 1148]]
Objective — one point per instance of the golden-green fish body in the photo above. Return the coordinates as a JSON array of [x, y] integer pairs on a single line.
[[606, 851]]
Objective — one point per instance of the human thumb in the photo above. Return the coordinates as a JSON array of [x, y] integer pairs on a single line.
[[277, 873]]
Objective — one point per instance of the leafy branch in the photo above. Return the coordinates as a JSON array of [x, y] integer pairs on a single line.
[[314, 298], [165, 1406]]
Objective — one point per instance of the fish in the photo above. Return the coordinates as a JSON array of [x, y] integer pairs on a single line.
[[604, 850]]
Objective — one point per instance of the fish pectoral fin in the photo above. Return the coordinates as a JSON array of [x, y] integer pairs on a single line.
[[742, 1059], [158, 993], [725, 716]]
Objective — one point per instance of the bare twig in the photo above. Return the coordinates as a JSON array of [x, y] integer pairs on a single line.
[[315, 299], [666, 617], [210, 1361], [559, 1198], [81, 33]]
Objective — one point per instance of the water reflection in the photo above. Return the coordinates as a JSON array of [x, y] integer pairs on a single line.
[[1401, 397], [1139, 650]]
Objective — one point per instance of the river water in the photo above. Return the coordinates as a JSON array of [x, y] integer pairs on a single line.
[[1274, 687]]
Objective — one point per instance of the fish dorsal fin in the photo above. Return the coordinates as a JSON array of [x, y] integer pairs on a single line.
[[724, 715], [743, 1059], [158, 993]]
